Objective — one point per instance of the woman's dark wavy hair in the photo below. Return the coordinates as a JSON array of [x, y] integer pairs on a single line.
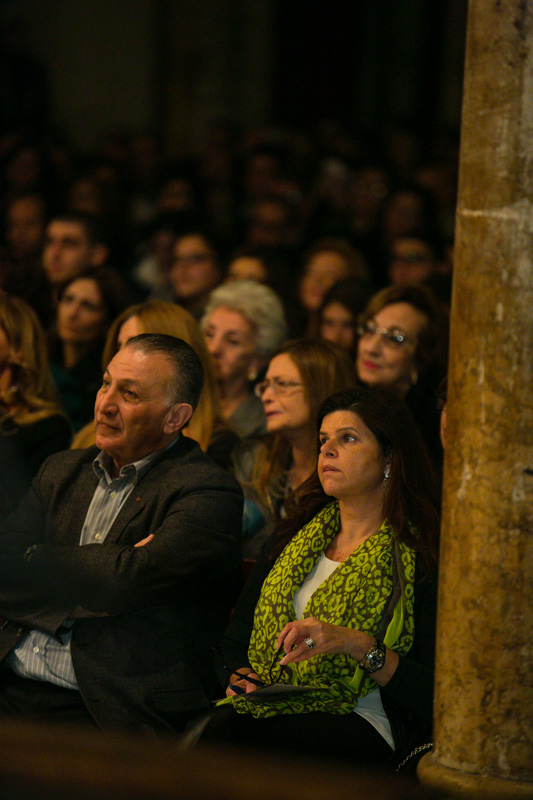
[[411, 499]]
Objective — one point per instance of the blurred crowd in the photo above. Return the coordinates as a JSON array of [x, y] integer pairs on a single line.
[[295, 264]]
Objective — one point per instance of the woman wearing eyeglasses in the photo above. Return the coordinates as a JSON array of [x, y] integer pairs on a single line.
[[402, 346], [338, 616], [301, 374]]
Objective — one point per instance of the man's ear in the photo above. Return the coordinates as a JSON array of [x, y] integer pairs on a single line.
[[178, 416]]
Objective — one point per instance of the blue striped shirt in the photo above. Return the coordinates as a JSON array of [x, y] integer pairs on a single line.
[[47, 658]]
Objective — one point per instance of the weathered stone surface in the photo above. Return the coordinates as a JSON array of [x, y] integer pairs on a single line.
[[484, 686]]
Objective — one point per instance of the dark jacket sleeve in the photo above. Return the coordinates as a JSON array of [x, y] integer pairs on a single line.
[[196, 528], [408, 696]]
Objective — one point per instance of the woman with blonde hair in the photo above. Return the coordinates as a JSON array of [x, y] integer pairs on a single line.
[[300, 375], [32, 425], [157, 316]]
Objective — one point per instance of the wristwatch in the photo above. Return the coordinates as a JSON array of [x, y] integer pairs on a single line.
[[374, 658]]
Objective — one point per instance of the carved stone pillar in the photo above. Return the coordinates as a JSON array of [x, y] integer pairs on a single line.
[[484, 686]]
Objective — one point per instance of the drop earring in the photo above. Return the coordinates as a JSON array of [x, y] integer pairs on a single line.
[[386, 478]]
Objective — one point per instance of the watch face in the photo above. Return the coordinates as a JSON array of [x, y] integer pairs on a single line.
[[374, 659]]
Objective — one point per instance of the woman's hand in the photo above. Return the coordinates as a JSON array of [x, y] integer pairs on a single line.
[[327, 638], [242, 683], [331, 639]]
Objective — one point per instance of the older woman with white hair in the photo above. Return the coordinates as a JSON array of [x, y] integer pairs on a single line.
[[243, 324]]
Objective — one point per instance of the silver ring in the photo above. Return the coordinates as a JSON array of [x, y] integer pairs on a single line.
[[309, 642]]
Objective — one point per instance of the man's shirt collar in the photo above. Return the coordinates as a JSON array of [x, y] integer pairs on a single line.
[[102, 464]]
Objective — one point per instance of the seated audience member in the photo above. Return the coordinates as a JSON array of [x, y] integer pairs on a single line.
[[151, 272], [73, 243], [325, 263], [327, 199], [408, 208], [248, 264], [412, 259], [439, 176], [273, 225], [300, 375], [143, 166], [155, 316], [86, 195], [340, 608], [263, 171], [86, 306], [261, 265], [339, 313], [21, 272], [116, 568], [403, 347], [178, 190], [26, 221], [32, 426], [25, 166], [243, 324], [195, 271], [368, 190]]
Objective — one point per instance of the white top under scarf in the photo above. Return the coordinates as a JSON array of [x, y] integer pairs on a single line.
[[370, 707]]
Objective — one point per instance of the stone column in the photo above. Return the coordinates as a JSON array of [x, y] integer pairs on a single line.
[[484, 685]]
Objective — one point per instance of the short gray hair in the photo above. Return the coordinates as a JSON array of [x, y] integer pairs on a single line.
[[188, 379], [259, 305]]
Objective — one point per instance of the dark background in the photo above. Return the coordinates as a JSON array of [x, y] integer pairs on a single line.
[[86, 66]]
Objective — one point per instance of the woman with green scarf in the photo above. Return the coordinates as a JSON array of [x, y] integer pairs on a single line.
[[330, 649]]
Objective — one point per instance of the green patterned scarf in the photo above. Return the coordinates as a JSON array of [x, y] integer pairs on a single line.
[[371, 591]]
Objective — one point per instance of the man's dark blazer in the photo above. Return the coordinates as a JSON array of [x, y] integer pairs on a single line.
[[147, 657]]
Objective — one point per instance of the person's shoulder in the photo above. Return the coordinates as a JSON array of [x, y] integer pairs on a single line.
[[187, 459], [66, 460], [62, 470], [249, 418]]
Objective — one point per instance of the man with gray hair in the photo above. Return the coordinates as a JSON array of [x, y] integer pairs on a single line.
[[117, 569]]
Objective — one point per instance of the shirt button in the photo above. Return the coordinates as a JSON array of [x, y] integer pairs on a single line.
[[35, 649], [113, 494], [98, 536]]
